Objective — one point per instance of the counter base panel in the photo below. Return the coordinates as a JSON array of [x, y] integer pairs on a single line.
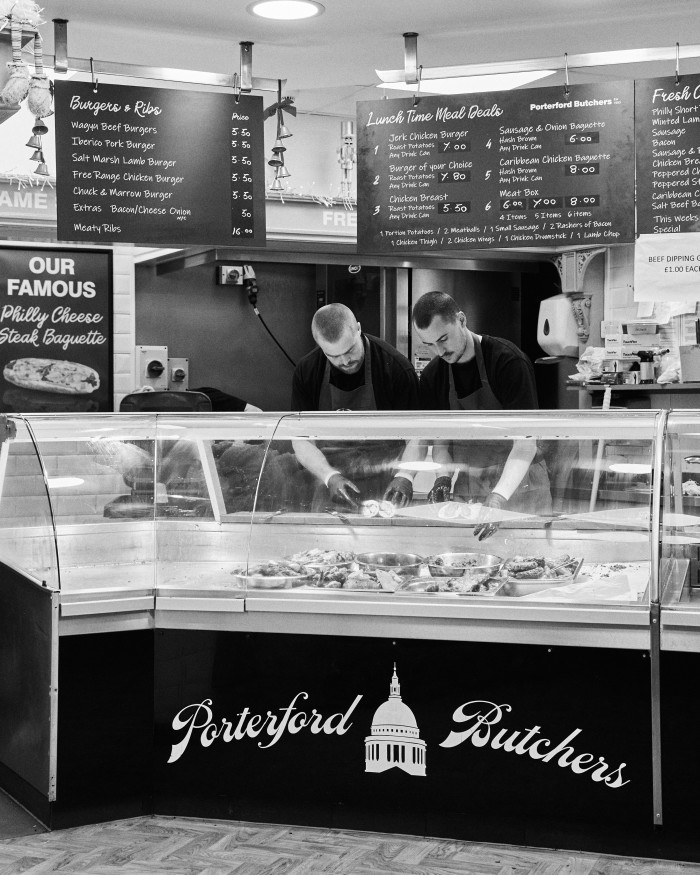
[[220, 753]]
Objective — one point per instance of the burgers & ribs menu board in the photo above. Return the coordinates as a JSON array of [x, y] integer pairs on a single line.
[[499, 170], [667, 120], [158, 165]]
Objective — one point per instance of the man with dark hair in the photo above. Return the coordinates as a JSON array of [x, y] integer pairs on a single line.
[[479, 372], [350, 370]]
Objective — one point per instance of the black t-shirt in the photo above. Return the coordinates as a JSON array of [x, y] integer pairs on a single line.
[[509, 371], [222, 400], [393, 379]]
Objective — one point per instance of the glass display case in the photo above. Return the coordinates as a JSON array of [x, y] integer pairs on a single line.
[[548, 548], [681, 531], [360, 515]]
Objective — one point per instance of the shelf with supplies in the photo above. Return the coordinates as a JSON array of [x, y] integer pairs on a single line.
[[639, 388]]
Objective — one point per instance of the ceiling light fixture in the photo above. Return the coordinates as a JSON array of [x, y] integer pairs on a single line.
[[471, 84], [286, 10]]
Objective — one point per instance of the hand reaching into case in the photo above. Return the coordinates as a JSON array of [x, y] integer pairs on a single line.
[[485, 529]]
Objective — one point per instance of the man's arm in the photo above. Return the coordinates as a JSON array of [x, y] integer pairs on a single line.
[[516, 467], [339, 487], [311, 458]]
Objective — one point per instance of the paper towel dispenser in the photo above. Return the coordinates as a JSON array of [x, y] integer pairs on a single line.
[[556, 327]]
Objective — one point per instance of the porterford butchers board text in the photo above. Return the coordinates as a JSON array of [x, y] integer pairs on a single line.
[[499, 170], [667, 119], [55, 331], [158, 165]]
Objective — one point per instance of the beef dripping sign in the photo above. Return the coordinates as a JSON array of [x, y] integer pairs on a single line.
[[158, 166], [501, 170]]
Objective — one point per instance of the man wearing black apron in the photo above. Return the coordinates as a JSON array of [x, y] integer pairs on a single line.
[[352, 371], [474, 372]]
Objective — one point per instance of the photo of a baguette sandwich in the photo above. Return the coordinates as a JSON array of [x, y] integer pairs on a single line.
[[52, 375]]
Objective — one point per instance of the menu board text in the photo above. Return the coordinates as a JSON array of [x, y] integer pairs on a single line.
[[667, 120], [505, 169], [158, 165]]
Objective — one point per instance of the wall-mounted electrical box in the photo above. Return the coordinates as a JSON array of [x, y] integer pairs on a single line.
[[152, 367], [230, 275], [178, 374]]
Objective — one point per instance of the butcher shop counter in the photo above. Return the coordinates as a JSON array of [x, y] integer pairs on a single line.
[[186, 601]]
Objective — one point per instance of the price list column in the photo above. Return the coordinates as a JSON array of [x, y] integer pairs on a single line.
[[506, 169], [247, 172]]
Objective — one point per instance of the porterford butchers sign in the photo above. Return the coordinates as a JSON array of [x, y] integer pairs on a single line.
[[55, 330], [470, 740], [394, 739]]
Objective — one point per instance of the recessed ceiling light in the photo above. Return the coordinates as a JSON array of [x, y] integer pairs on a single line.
[[286, 10]]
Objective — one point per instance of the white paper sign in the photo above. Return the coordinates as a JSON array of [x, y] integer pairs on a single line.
[[667, 267]]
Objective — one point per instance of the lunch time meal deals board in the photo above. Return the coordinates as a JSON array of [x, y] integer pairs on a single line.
[[508, 169], [159, 165]]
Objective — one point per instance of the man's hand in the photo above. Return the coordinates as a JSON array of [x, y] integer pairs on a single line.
[[399, 492], [341, 489], [484, 530], [441, 490]]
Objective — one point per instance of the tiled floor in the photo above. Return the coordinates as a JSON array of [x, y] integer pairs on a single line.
[[180, 846]]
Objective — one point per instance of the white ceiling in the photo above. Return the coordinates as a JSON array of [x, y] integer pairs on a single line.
[[329, 62]]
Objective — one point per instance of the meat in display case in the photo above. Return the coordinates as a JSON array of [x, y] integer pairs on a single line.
[[428, 515]]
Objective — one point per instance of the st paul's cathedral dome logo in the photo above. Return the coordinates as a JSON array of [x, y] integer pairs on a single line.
[[394, 741]]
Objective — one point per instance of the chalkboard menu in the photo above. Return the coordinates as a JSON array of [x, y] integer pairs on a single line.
[[500, 170], [55, 330], [667, 133], [158, 165]]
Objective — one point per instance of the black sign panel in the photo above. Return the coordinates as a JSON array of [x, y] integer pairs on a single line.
[[667, 129], [499, 170], [475, 741], [158, 165], [55, 330]]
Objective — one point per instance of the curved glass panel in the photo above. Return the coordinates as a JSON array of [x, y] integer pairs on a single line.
[[208, 472], [100, 475], [542, 506], [27, 539], [680, 518]]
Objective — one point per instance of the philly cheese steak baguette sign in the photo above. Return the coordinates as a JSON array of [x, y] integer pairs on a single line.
[[158, 165], [55, 330], [501, 170]]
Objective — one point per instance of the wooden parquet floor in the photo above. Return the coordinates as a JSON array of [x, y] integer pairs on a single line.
[[182, 846]]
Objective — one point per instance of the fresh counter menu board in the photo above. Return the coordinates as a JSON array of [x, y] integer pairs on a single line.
[[55, 330], [667, 120], [500, 170], [158, 165]]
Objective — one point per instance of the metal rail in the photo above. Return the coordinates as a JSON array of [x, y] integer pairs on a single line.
[[590, 59]]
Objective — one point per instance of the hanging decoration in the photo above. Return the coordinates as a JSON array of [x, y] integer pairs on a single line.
[[20, 16], [346, 158], [40, 97], [283, 104]]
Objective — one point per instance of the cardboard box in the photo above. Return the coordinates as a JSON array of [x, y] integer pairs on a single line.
[[690, 363]]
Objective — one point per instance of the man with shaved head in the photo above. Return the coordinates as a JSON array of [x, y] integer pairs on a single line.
[[350, 370]]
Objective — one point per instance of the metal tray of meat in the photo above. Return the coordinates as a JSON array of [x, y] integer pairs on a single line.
[[264, 581], [457, 586], [457, 564], [527, 585]]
